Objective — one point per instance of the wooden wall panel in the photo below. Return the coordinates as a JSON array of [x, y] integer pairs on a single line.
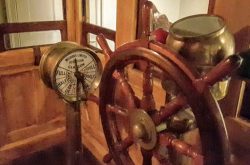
[[49, 104], [235, 12], [31, 115], [126, 21], [19, 99], [12, 58]]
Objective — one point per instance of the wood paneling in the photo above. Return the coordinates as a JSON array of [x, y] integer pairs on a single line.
[[12, 58], [236, 13], [27, 101], [70, 17], [32, 144], [32, 115], [126, 21], [36, 129], [19, 99]]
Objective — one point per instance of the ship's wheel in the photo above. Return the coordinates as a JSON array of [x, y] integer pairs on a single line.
[[142, 118]]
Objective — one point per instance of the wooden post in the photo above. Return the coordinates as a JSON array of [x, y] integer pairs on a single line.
[[70, 17], [126, 21]]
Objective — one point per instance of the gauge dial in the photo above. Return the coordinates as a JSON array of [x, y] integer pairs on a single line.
[[63, 63]]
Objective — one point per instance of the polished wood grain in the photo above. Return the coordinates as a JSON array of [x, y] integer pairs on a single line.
[[223, 69], [181, 147], [32, 114]]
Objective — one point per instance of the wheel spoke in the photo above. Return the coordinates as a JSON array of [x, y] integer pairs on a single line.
[[169, 109], [148, 102], [180, 146], [122, 146], [221, 70], [126, 90], [147, 157], [117, 110]]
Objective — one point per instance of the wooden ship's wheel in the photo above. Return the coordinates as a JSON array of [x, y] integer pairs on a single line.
[[141, 117]]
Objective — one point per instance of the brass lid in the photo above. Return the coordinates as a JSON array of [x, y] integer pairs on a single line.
[[197, 26]]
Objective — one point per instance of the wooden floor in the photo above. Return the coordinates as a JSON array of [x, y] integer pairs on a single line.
[[54, 156]]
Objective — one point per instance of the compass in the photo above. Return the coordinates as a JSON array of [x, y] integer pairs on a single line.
[[66, 64]]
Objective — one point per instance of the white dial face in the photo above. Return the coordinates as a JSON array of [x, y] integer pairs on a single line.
[[65, 78]]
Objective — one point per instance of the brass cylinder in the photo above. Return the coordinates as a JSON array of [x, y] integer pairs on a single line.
[[203, 40]]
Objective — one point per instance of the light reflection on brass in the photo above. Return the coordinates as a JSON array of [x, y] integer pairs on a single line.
[[143, 129], [139, 131]]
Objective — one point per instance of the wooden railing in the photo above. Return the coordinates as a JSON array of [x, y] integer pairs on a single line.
[[94, 29], [8, 28]]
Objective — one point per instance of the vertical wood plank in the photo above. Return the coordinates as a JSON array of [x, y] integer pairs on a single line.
[[79, 19], [126, 21], [70, 18], [3, 119]]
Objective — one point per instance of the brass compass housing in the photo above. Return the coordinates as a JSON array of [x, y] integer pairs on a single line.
[[58, 68]]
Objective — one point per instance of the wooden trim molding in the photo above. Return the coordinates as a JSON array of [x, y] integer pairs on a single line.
[[94, 29], [32, 26], [7, 28]]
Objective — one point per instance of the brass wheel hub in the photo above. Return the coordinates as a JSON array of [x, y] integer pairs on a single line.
[[143, 129]]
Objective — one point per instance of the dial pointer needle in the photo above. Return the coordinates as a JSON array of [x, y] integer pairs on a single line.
[[77, 81], [80, 78]]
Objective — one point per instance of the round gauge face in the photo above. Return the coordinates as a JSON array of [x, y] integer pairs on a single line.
[[85, 64]]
